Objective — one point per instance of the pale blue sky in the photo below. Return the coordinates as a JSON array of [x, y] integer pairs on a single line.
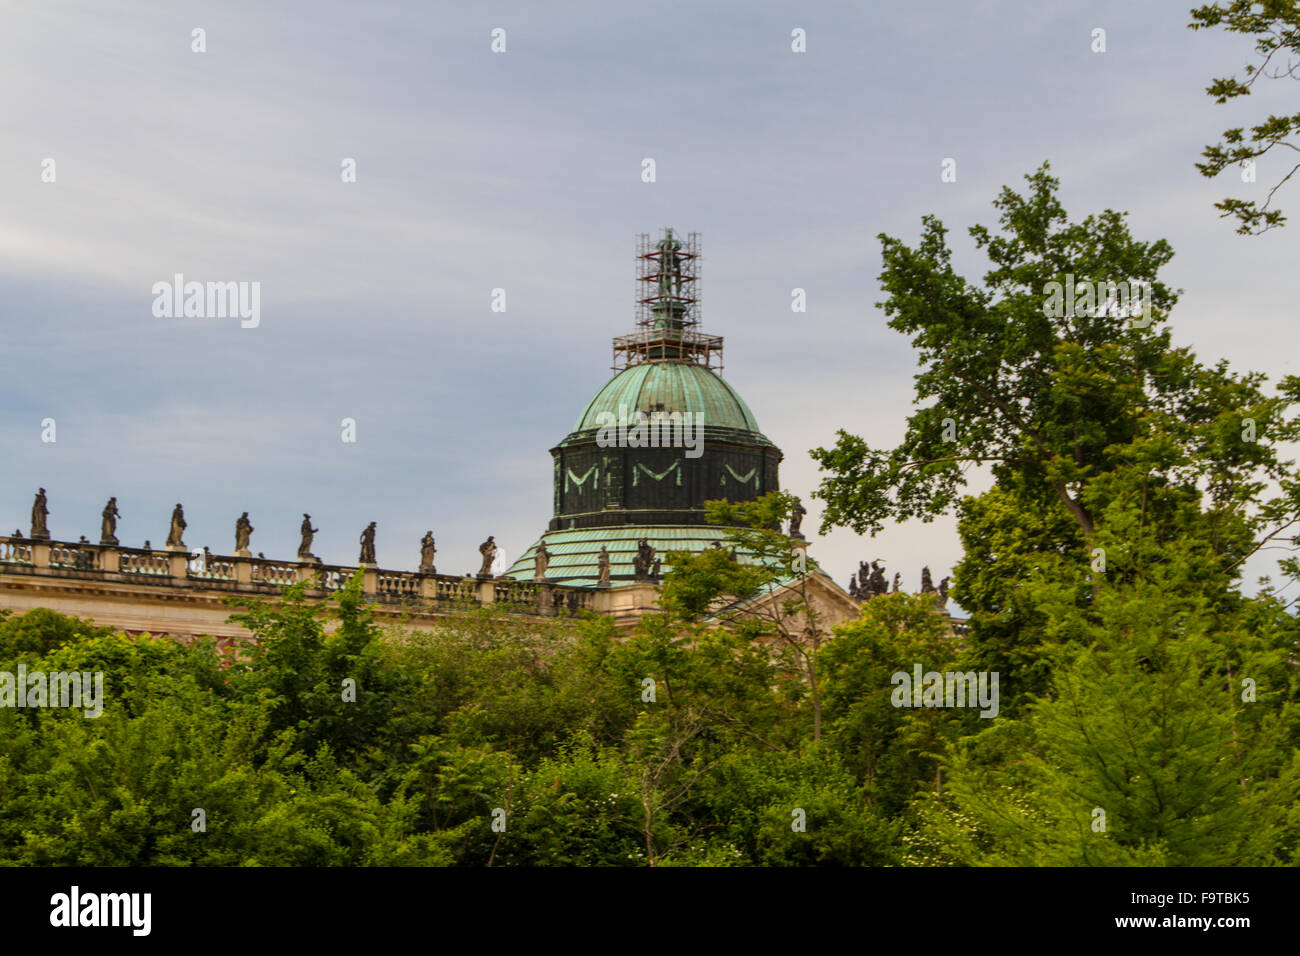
[[522, 171]]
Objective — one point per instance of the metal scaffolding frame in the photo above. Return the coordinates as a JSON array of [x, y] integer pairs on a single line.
[[667, 295]]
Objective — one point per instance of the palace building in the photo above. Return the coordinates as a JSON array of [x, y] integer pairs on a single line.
[[661, 437]]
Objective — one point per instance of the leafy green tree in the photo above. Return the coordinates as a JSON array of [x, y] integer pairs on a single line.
[[488, 677], [787, 809], [759, 586], [892, 751], [1148, 751], [40, 631], [1274, 25], [1076, 410], [330, 689]]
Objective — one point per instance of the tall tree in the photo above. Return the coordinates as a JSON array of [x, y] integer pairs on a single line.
[[1079, 402]]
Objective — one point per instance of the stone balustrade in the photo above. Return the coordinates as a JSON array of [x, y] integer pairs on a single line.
[[13, 551], [328, 577], [212, 568], [241, 574], [277, 573], [453, 590], [139, 561], [72, 555], [399, 584]]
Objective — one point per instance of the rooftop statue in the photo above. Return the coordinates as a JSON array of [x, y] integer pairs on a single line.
[[307, 532], [942, 599], [796, 520], [175, 535], [489, 551], [368, 545], [243, 531], [876, 585], [108, 523], [40, 531], [427, 552], [643, 562]]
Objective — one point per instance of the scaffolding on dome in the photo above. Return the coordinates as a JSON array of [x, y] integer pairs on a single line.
[[667, 317]]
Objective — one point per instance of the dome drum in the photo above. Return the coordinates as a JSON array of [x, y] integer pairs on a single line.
[[602, 487]]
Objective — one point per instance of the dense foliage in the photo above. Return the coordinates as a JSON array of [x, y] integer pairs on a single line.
[[556, 725]]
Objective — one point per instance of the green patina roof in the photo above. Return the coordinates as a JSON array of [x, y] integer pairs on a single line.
[[677, 387], [574, 552]]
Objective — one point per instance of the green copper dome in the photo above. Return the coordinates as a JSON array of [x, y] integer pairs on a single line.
[[661, 438], [670, 387]]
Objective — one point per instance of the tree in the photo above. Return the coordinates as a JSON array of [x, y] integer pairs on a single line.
[[1275, 26], [759, 585], [1148, 751], [891, 750], [1080, 407], [329, 689]]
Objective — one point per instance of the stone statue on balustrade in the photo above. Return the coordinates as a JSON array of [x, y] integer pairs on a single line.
[[927, 583], [243, 531], [307, 532], [175, 536], [542, 562], [368, 545], [40, 530], [602, 566], [489, 551], [427, 552], [876, 585], [941, 596], [643, 562], [854, 591], [898, 582], [796, 519], [108, 523]]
